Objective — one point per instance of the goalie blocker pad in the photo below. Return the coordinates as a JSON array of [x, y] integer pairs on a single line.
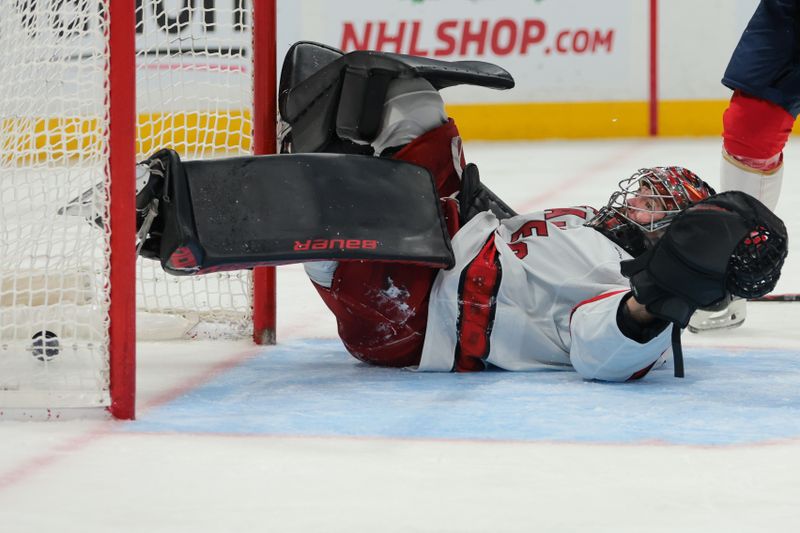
[[243, 212]]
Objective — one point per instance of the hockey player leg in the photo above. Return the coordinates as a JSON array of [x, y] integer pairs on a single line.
[[327, 97], [756, 132], [765, 185], [412, 108], [381, 310], [388, 105], [762, 185]]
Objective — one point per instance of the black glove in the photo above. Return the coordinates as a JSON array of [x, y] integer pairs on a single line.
[[728, 244], [475, 198]]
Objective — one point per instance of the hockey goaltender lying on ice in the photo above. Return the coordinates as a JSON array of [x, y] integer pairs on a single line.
[[425, 267]]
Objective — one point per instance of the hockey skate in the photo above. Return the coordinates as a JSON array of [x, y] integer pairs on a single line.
[[728, 314], [90, 203]]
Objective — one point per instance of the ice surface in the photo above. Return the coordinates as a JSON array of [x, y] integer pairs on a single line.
[[301, 437], [312, 388]]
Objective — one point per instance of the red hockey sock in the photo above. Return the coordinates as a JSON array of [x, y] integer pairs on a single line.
[[755, 131]]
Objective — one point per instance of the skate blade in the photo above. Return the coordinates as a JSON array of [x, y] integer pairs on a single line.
[[718, 324]]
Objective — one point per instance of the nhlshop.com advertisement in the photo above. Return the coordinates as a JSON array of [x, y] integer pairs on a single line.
[[583, 68], [554, 49]]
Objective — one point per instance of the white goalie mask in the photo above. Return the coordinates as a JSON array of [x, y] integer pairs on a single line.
[[646, 203]]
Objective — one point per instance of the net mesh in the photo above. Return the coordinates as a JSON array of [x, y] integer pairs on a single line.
[[193, 95]]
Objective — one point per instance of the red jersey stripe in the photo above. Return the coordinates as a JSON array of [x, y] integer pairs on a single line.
[[478, 287]]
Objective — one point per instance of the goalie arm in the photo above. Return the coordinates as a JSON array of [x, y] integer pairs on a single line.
[[728, 244], [613, 338], [635, 314], [264, 210]]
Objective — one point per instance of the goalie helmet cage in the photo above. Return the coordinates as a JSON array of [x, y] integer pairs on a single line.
[[89, 88]]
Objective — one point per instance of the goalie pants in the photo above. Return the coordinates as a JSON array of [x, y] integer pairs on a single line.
[[382, 308]]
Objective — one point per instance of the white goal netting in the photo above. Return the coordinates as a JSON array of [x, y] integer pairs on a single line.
[[193, 83]]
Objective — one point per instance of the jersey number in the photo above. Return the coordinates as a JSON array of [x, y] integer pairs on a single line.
[[539, 228], [532, 227]]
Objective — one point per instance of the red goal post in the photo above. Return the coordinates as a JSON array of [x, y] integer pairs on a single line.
[[265, 112], [122, 158], [75, 311]]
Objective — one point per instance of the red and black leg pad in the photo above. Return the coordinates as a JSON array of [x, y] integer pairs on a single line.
[[244, 212]]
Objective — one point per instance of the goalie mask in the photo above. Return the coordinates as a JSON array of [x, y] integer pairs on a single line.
[[646, 203]]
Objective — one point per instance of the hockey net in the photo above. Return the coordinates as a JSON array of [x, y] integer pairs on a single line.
[[194, 92]]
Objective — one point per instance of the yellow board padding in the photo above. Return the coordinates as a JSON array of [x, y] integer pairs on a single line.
[[195, 133], [586, 120], [28, 140], [680, 118], [568, 120], [25, 140]]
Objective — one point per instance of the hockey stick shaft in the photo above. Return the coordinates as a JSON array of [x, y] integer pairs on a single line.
[[786, 297]]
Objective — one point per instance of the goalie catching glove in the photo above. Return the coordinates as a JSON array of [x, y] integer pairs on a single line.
[[728, 244]]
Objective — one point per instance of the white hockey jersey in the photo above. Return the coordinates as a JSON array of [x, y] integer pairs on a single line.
[[533, 290]]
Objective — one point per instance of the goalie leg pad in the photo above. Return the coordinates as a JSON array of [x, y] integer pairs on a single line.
[[327, 96], [250, 211]]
